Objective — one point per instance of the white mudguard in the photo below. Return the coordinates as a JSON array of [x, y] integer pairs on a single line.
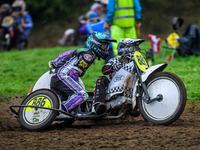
[[149, 71], [122, 81], [153, 69], [44, 81]]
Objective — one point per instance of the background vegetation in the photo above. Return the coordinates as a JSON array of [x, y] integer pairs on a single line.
[[53, 17]]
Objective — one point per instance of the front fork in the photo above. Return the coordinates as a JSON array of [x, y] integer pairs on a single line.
[[146, 98]]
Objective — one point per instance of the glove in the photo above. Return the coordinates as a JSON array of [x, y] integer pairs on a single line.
[[74, 74], [116, 63]]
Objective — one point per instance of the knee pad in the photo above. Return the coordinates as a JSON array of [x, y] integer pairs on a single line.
[[84, 94]]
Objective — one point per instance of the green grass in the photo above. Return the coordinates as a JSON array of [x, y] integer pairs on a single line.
[[19, 70]]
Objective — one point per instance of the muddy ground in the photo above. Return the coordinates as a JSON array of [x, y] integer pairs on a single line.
[[88, 135]]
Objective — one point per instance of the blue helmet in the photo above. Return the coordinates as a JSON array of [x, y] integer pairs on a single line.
[[99, 43]]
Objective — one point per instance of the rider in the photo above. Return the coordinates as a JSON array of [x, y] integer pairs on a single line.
[[23, 21], [71, 65], [114, 64]]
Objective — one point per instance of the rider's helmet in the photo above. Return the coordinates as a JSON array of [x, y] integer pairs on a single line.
[[5, 9], [128, 45], [99, 43], [19, 5], [104, 2], [126, 48]]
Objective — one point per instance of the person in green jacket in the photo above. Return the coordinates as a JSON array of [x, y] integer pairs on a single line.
[[123, 16]]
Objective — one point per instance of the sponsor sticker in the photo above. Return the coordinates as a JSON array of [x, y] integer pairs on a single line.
[[88, 57], [119, 78], [83, 64]]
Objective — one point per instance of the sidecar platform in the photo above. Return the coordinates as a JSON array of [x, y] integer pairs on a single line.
[[82, 116]]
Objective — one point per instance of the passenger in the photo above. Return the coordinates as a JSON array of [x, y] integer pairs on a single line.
[[74, 65]]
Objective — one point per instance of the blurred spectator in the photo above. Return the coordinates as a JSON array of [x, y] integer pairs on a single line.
[[68, 38], [71, 36], [23, 23], [99, 7], [123, 16], [5, 10]]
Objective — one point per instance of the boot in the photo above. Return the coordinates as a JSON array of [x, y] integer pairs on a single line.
[[100, 108]]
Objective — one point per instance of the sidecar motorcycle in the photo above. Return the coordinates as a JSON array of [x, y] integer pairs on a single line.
[[159, 96]]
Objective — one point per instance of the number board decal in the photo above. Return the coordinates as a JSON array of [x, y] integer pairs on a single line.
[[40, 101], [8, 21], [140, 61]]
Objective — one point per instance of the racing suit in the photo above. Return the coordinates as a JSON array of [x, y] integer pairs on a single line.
[[110, 69], [69, 66]]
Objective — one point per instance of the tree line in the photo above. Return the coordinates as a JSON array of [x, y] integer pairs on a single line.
[[156, 14], [53, 10]]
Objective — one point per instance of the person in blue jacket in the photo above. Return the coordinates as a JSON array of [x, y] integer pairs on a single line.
[[124, 17], [24, 23]]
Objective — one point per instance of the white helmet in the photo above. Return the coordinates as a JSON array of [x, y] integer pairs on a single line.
[[5, 8], [105, 2], [19, 3]]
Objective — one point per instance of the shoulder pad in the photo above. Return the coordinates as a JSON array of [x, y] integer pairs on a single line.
[[82, 50]]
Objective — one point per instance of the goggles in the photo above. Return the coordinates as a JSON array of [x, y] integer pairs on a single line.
[[105, 46], [17, 9]]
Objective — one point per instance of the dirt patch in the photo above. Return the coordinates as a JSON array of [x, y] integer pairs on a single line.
[[126, 134]]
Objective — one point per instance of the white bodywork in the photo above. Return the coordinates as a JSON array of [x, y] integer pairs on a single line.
[[44, 82], [121, 81], [150, 70]]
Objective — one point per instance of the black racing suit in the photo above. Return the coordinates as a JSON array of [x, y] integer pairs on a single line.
[[113, 65]]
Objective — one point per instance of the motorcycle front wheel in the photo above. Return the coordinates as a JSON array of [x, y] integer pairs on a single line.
[[36, 119], [171, 106]]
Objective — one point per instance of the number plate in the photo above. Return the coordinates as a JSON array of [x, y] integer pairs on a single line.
[[140, 61], [39, 101], [36, 116], [7, 21]]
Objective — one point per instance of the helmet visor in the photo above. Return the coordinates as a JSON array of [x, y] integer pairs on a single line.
[[17, 9], [120, 48]]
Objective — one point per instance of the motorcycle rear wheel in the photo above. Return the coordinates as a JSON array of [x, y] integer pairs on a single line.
[[36, 119], [169, 109]]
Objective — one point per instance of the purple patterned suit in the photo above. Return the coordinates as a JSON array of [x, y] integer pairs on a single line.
[[69, 66]]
